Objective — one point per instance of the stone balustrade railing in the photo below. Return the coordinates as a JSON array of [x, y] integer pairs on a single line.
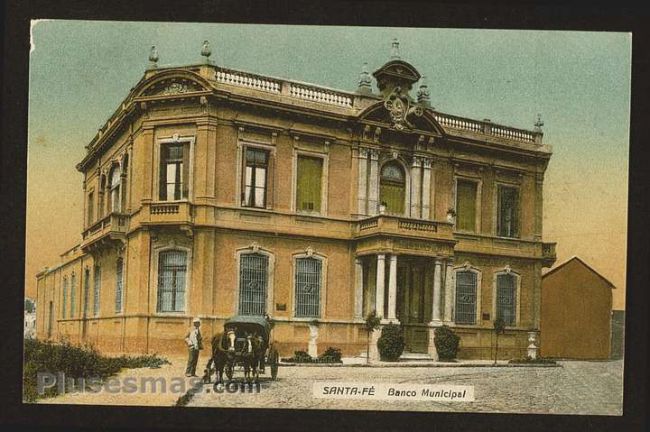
[[164, 208], [319, 95], [243, 79], [488, 128], [417, 226]]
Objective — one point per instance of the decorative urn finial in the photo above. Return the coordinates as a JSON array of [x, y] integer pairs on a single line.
[[424, 97], [365, 82], [206, 51], [539, 123], [394, 50], [153, 57]]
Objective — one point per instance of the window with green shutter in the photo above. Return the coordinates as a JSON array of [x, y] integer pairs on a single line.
[[309, 184], [466, 205], [392, 188]]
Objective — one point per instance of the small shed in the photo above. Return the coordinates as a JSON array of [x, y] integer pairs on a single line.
[[576, 312]]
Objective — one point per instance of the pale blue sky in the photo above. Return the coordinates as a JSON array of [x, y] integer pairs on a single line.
[[579, 81]]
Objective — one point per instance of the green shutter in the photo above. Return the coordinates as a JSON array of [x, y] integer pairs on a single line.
[[466, 205], [308, 188]]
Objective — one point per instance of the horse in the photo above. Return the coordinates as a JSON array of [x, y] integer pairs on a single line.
[[218, 359], [252, 357]]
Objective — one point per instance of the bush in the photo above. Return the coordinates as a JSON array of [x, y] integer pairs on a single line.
[[391, 342], [331, 355], [446, 342], [75, 362], [529, 360]]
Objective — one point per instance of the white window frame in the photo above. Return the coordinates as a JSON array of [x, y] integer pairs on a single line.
[[188, 279], [479, 279], [495, 204], [323, 284], [253, 249], [175, 139], [297, 152], [115, 168], [241, 146], [506, 270]]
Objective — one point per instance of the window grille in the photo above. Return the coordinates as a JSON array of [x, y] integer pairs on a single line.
[[255, 173], [64, 303], [507, 298], [253, 281], [119, 270], [308, 287], [172, 269], [466, 288], [97, 279], [508, 205], [73, 282]]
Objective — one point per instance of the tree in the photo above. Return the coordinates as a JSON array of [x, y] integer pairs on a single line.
[[371, 324], [499, 328]]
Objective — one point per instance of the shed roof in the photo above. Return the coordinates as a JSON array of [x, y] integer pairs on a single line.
[[581, 261]]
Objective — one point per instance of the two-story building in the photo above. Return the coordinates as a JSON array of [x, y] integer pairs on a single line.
[[212, 192]]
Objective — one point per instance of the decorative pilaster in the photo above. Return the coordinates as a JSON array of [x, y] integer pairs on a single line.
[[379, 292], [373, 192], [358, 289], [415, 188], [437, 285], [426, 188], [362, 198], [392, 288], [449, 292]]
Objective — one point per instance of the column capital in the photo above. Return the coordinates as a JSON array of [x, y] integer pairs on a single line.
[[364, 152], [416, 161], [374, 154], [427, 162]]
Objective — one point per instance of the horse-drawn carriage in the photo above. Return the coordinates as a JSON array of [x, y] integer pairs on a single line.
[[244, 342]]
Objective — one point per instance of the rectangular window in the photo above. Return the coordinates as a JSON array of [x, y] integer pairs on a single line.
[[308, 287], [508, 207], [86, 292], [174, 172], [256, 169], [97, 279], [91, 208], [172, 270], [73, 281], [119, 270], [253, 281], [466, 205], [465, 311], [308, 186], [507, 299], [64, 302]]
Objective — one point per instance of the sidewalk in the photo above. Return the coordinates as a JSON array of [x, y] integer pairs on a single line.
[[172, 375], [361, 362]]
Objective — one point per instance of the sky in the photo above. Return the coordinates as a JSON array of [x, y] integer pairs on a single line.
[[579, 82]]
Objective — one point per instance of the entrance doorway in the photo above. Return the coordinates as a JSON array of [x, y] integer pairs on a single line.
[[414, 276]]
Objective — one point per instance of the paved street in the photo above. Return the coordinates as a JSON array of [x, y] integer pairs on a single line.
[[575, 388]]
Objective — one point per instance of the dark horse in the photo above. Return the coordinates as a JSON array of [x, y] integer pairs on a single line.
[[249, 351], [219, 358]]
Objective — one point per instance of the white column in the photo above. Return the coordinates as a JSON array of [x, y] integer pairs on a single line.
[[379, 292], [358, 289], [392, 288], [426, 188], [415, 188], [362, 198], [437, 282], [373, 192], [449, 291]]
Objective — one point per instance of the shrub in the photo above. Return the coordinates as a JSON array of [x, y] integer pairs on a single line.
[[75, 362], [446, 342], [391, 342], [331, 355], [529, 360]]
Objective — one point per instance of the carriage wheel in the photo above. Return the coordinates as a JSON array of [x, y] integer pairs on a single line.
[[229, 370], [273, 361]]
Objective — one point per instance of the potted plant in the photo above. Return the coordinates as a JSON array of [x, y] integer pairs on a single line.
[[371, 324]]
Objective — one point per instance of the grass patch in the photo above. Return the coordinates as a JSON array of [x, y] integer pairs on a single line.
[[75, 362]]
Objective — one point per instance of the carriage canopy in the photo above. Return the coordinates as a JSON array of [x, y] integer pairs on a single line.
[[248, 323]]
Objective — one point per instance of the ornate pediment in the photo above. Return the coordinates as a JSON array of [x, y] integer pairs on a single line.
[[172, 86], [401, 110]]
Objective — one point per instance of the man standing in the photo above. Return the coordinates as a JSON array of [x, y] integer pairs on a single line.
[[194, 344]]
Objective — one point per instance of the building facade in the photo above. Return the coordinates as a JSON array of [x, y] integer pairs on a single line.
[[212, 192], [574, 289]]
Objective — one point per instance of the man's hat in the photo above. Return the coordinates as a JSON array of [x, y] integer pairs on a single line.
[[196, 320]]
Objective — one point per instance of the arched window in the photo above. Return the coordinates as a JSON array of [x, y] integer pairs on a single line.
[[466, 296], [308, 281], [116, 180], [119, 271], [253, 283], [172, 270], [392, 187], [506, 298], [124, 191]]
